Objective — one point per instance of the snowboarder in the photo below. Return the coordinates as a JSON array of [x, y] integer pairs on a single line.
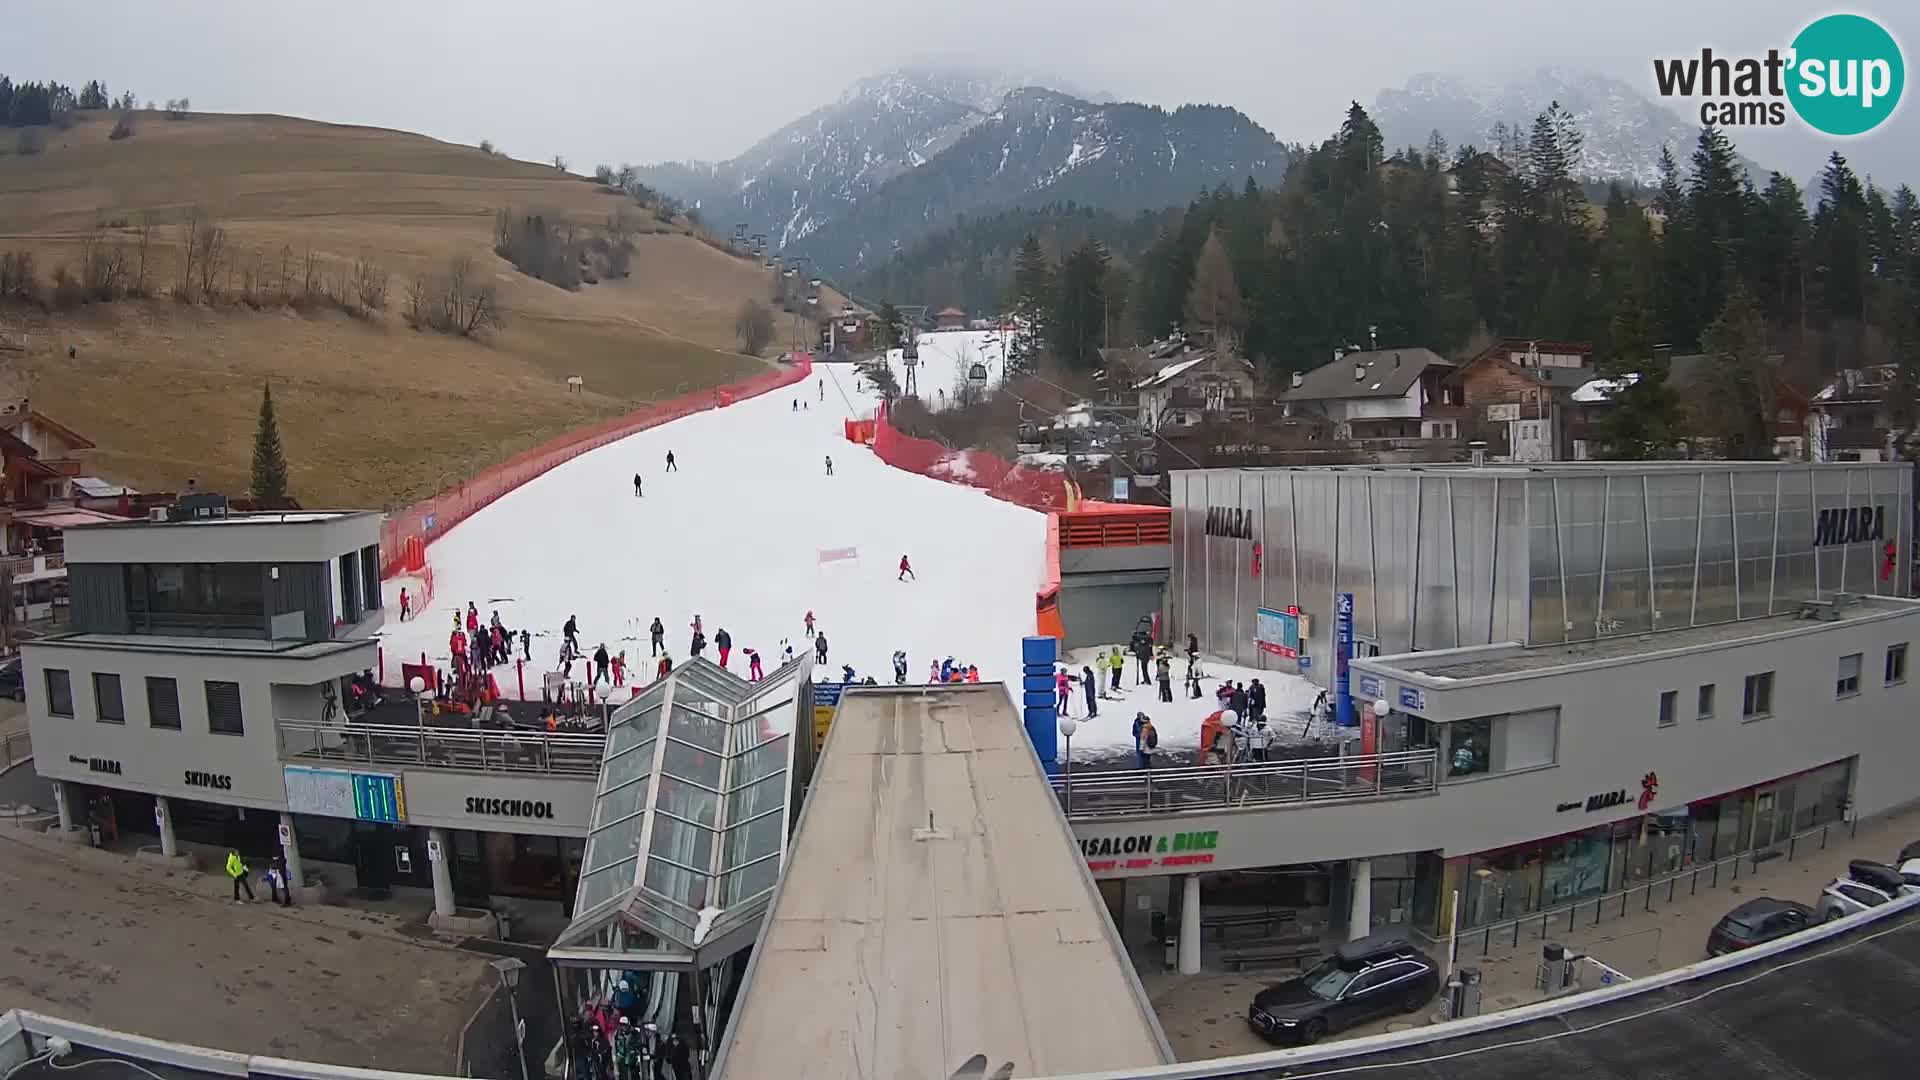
[[1063, 683], [1145, 740], [602, 664], [809, 623], [671, 467], [1091, 687], [829, 464], [571, 632], [658, 635], [526, 646], [1117, 664], [754, 674], [636, 487], [906, 570], [1163, 672], [820, 648], [406, 604], [724, 642]]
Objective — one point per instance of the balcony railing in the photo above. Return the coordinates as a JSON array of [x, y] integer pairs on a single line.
[[521, 751], [1218, 787]]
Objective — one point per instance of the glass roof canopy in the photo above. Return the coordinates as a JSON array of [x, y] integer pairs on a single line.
[[689, 824]]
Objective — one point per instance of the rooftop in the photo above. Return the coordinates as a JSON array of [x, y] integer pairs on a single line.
[[269, 517], [1571, 469], [211, 646], [1384, 373], [1492, 660], [934, 907]]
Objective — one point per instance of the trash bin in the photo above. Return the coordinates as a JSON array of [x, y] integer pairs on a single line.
[[1465, 995], [504, 919]]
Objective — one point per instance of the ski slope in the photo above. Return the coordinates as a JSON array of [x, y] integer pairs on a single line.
[[736, 536], [945, 359]]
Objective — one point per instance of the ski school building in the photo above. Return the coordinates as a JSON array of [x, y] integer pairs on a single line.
[[1560, 680]]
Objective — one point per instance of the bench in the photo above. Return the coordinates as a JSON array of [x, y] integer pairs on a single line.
[[1265, 920], [1295, 953]]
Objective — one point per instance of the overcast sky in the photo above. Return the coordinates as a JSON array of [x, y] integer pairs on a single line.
[[619, 80]]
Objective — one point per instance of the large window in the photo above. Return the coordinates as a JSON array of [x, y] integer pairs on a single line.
[[1669, 704], [223, 708], [1508, 742], [1846, 682], [107, 705], [1896, 664], [59, 693], [204, 599], [163, 703], [1470, 747], [1758, 699]]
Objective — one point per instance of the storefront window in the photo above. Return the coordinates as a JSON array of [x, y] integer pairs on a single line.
[[1503, 884], [1576, 867], [1469, 747]]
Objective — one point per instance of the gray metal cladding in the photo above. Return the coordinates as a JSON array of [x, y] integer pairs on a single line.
[[1448, 556]]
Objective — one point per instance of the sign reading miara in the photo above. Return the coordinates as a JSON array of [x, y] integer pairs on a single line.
[[1147, 851]]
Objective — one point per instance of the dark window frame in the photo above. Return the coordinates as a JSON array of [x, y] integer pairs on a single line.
[[1669, 708], [100, 699], [65, 684], [1896, 664], [1844, 685], [1756, 700], [215, 709], [172, 698], [1703, 702]]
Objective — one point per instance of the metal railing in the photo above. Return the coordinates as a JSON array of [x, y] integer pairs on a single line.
[[1212, 787], [15, 748], [522, 751], [1648, 896]]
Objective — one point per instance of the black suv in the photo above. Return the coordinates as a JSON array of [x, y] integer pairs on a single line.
[[1363, 980], [12, 682], [1758, 921]]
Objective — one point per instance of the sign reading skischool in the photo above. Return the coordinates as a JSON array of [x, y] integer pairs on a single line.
[[1149, 851]]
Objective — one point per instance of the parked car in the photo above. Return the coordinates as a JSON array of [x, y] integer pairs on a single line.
[[1867, 885], [13, 683], [1363, 980], [1756, 922]]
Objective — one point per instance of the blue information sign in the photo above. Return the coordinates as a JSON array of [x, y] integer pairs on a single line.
[[377, 798], [1369, 686]]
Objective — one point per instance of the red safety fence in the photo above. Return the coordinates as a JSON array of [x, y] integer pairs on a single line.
[[405, 534], [1045, 490], [860, 431], [1046, 602]]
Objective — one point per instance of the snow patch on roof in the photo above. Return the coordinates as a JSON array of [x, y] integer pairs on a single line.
[[1167, 373], [1594, 391]]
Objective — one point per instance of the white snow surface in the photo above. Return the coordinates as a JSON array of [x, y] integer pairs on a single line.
[[735, 536], [1289, 697]]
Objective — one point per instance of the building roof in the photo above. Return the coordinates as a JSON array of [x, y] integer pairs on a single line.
[[93, 487], [1385, 373], [73, 438], [943, 312], [65, 517], [233, 517], [1168, 372]]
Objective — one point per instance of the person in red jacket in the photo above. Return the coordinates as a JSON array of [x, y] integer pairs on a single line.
[[473, 617], [973, 673], [457, 641], [906, 570]]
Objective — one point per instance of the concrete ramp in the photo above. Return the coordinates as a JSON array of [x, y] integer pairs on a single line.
[[934, 907]]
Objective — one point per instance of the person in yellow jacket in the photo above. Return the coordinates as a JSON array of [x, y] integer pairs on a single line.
[[237, 870], [1117, 665]]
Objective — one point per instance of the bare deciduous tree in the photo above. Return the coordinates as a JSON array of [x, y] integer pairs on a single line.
[[103, 267], [369, 285], [460, 301], [213, 253], [143, 250], [310, 274], [753, 326], [189, 248]]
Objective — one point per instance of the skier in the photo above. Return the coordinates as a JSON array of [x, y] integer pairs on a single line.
[[1193, 653], [1117, 664], [571, 632], [1193, 682], [933, 672], [724, 642], [502, 651], [906, 570], [829, 464], [1063, 683], [1238, 700], [1143, 652], [658, 635], [620, 668], [1163, 672], [796, 404], [699, 644], [820, 648], [1145, 740], [697, 626], [636, 487], [406, 604], [665, 667], [1091, 687], [601, 664], [809, 624], [847, 675], [754, 674], [526, 646], [626, 1049], [899, 667], [786, 651], [457, 644], [473, 617], [823, 389], [671, 467], [973, 673], [1258, 739]]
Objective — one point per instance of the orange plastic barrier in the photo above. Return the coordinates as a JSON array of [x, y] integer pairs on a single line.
[[456, 504], [860, 431], [1046, 604], [1110, 525], [1037, 489]]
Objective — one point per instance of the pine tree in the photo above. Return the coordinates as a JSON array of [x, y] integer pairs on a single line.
[[269, 461], [1032, 303], [1644, 420], [1080, 310], [890, 335], [1213, 301], [1738, 382]]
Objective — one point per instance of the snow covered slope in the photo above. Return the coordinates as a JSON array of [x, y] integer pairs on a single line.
[[736, 536], [946, 358]]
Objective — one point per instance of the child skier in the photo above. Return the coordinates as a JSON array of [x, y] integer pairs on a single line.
[[754, 674], [620, 668], [906, 570], [809, 624], [724, 642]]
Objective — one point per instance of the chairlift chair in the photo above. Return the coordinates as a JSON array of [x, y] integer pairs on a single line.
[[977, 373]]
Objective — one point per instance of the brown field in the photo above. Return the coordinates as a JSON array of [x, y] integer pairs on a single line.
[[371, 412]]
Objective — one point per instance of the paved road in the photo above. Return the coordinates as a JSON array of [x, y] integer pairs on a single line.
[[93, 936]]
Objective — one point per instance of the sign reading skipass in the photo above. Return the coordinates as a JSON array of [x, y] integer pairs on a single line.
[[1149, 851]]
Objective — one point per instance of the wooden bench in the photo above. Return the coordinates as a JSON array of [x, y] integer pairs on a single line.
[[1265, 920], [1295, 952]]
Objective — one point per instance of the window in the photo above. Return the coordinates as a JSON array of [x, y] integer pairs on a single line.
[[223, 708], [212, 599], [1896, 664], [163, 703], [59, 693], [1669, 704], [1704, 711], [106, 698], [1847, 682], [1470, 746], [1526, 740], [1758, 701]]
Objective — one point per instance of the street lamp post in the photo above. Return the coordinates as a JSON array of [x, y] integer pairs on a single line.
[[604, 692], [418, 685], [508, 969], [1067, 728]]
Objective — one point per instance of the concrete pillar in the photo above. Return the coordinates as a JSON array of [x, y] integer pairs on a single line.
[[1190, 925], [442, 873], [296, 875], [1360, 899], [63, 805], [163, 817]]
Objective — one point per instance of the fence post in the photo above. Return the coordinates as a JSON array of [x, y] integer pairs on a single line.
[[1648, 904], [1793, 842]]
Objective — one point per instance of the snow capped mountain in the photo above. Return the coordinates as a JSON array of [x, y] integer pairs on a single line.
[[1041, 146], [1623, 129]]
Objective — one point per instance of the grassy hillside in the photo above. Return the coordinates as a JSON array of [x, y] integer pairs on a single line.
[[371, 411]]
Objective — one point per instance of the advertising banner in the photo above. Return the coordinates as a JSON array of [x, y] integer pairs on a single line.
[[1342, 656]]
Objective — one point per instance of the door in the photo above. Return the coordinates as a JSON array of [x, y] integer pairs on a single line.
[[469, 869], [373, 857], [1357, 1005]]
